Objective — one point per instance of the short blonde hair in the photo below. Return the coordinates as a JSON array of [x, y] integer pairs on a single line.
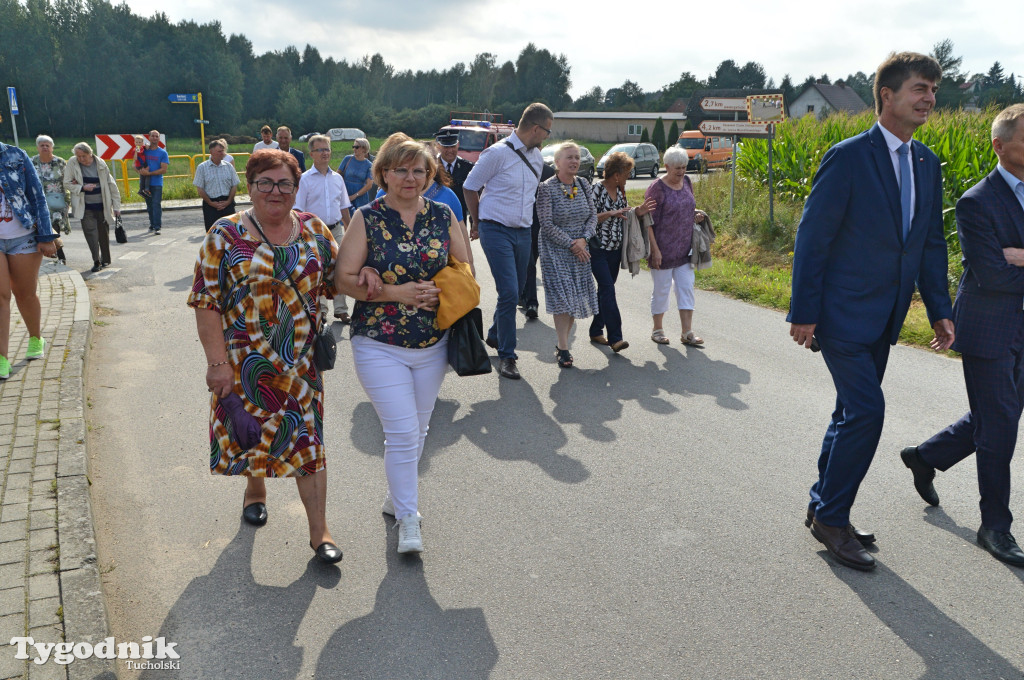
[[565, 146], [400, 149]]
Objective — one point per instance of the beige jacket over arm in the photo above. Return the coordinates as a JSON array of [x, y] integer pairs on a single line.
[[108, 188]]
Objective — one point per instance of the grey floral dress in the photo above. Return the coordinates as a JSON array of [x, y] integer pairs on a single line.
[[566, 213], [51, 175]]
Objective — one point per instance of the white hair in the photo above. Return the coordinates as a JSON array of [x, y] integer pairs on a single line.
[[676, 156], [83, 146], [44, 138]]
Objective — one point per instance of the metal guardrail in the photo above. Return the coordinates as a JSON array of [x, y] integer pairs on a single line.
[[126, 179]]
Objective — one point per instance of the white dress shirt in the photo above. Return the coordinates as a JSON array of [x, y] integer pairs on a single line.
[[511, 186], [324, 195], [1016, 185]]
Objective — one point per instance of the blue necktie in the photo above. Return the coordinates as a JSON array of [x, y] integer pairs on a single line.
[[905, 181]]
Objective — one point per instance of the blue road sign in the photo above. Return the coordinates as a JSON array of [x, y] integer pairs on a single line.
[[183, 98], [203, 122], [12, 99]]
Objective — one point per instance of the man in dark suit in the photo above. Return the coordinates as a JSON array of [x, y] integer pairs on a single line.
[[457, 167], [871, 228], [989, 319]]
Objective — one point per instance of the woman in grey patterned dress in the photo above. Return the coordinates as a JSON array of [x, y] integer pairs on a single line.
[[568, 219]]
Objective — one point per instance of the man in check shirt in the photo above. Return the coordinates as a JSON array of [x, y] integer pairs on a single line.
[[322, 192], [502, 217], [216, 181]]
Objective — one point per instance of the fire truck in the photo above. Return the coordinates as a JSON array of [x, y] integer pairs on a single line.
[[477, 131]]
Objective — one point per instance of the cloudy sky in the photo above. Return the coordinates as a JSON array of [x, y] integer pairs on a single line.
[[651, 47]]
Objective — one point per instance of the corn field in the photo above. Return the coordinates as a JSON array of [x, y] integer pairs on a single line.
[[961, 140]]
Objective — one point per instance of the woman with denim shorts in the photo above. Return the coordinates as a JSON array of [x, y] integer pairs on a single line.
[[25, 236]]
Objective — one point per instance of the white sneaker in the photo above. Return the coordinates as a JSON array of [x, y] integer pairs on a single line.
[[388, 507], [409, 538]]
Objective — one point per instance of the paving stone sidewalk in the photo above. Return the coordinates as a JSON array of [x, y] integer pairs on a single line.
[[49, 580]]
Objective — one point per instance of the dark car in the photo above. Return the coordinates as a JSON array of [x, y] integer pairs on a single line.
[[644, 155], [586, 170]]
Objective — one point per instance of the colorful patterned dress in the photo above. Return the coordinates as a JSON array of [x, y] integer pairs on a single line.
[[52, 177], [401, 255], [269, 339]]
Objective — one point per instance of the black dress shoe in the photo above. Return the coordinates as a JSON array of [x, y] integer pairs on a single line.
[[96, 266], [327, 552], [255, 514], [531, 311], [923, 474], [843, 546], [865, 537], [1002, 546], [507, 368]]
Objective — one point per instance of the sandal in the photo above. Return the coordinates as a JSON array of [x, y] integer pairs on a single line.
[[563, 358], [692, 340], [658, 336], [599, 339]]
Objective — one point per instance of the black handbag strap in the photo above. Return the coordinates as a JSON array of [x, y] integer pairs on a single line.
[[523, 156], [255, 222]]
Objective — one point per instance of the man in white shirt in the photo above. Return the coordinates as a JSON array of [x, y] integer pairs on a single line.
[[216, 181], [322, 192], [268, 140], [502, 217]]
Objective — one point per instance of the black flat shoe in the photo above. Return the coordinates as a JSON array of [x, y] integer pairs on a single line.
[[327, 552], [864, 537], [1002, 546], [255, 514], [924, 474]]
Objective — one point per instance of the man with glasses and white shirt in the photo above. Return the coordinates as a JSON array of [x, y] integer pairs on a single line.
[[502, 217], [322, 192]]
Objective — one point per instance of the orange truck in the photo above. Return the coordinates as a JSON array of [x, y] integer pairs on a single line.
[[705, 152], [477, 131]]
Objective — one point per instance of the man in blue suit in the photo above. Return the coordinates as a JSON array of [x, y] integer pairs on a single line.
[[989, 319], [871, 229]]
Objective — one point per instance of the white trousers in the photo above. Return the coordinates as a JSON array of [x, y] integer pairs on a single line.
[[402, 384], [681, 278]]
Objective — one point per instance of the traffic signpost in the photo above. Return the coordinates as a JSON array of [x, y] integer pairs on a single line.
[[196, 98], [118, 147], [725, 104], [12, 103], [736, 128]]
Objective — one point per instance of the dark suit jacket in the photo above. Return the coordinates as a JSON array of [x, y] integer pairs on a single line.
[[852, 272], [988, 312], [299, 157], [462, 168]]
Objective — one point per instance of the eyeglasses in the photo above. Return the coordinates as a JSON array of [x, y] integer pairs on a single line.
[[265, 186], [327, 150], [544, 128], [402, 173]]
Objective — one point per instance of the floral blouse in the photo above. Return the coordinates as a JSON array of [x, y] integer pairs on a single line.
[[52, 177], [401, 255]]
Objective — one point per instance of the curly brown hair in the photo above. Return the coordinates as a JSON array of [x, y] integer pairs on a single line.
[[617, 163]]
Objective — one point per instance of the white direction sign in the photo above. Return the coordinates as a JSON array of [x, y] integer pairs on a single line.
[[734, 127], [724, 104]]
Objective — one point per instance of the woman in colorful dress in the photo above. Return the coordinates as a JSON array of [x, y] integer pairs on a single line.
[[671, 236], [25, 236], [568, 220], [606, 247], [50, 169], [357, 171], [256, 330], [400, 354]]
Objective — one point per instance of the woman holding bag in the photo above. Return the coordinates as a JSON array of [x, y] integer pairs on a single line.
[[50, 169], [95, 199], [399, 352]]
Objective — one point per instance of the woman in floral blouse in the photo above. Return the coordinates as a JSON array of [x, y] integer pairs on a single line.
[[399, 352], [50, 169]]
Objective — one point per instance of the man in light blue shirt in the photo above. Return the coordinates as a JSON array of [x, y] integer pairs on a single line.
[[508, 172]]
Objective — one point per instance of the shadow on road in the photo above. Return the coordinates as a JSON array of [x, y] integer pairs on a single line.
[[408, 634], [367, 436], [225, 621], [948, 649], [937, 517]]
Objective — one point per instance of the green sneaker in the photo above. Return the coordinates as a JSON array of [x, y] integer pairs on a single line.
[[35, 348], [5, 368]]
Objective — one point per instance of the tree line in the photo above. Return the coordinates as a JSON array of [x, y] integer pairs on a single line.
[[86, 66]]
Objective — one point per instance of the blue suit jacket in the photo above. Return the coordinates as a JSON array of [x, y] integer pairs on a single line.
[[988, 312], [852, 272]]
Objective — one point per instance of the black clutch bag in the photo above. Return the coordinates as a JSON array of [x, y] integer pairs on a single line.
[[467, 354], [119, 232]]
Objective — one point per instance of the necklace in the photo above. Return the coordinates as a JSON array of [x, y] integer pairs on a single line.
[[292, 235], [569, 194]]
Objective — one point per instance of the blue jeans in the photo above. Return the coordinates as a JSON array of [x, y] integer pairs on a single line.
[[605, 265], [507, 251], [153, 206]]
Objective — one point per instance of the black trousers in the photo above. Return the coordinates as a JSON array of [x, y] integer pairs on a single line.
[[211, 214]]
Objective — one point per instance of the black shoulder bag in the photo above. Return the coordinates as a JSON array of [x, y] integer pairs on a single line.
[[325, 347], [523, 156]]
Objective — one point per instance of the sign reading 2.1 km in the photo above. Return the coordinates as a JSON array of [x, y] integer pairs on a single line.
[[183, 98]]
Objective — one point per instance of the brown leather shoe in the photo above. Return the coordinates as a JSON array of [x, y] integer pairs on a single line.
[[844, 547], [865, 537]]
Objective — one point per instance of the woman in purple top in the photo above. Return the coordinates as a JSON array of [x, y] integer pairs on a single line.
[[671, 236]]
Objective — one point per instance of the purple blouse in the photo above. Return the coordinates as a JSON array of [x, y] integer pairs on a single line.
[[673, 221]]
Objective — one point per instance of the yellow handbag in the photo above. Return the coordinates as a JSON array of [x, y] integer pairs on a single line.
[[460, 292]]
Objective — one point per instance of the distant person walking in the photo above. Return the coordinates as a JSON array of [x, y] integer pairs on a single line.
[[25, 236], [357, 171], [50, 169], [216, 181], [284, 143], [157, 162], [267, 142], [502, 217], [95, 200]]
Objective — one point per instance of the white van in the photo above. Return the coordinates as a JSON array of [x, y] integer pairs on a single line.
[[345, 134]]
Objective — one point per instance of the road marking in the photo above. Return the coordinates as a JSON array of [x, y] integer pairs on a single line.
[[105, 273], [162, 242], [133, 255]]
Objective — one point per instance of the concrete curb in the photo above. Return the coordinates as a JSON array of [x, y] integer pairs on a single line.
[[177, 204], [85, 614]]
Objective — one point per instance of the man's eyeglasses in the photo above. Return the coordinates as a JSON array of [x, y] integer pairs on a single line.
[[265, 186], [326, 150], [402, 173], [544, 128]]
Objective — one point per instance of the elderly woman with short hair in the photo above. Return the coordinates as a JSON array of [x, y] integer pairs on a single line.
[[50, 169], [357, 170], [95, 200], [671, 237], [568, 220]]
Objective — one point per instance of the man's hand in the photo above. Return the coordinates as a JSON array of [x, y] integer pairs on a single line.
[[944, 335], [802, 333], [1014, 256]]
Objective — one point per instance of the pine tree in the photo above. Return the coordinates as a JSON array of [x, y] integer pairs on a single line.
[[673, 134], [644, 137], [658, 136]]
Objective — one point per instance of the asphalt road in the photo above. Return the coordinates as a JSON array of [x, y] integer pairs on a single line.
[[640, 515]]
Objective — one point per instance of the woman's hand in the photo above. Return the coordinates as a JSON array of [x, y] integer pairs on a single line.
[[220, 379], [579, 249], [48, 249], [655, 259], [698, 216], [90, 186], [369, 278], [421, 294], [647, 206]]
